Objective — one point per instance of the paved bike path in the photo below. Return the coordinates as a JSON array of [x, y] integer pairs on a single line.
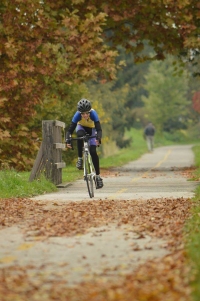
[[154, 175], [74, 259]]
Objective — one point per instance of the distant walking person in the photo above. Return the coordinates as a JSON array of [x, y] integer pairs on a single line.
[[149, 132]]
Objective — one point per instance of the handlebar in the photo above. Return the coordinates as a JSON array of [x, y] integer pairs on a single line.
[[85, 138]]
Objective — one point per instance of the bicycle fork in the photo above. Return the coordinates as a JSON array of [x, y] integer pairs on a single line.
[[87, 158]]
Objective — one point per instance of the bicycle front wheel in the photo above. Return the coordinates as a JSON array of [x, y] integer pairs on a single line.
[[89, 174]]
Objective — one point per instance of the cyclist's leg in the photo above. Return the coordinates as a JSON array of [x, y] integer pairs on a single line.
[[95, 160], [93, 152], [80, 133]]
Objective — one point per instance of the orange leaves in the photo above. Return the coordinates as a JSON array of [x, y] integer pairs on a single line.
[[10, 48], [4, 134], [160, 279], [50, 48], [160, 217]]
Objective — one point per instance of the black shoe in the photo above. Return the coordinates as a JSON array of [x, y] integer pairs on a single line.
[[99, 182], [79, 163]]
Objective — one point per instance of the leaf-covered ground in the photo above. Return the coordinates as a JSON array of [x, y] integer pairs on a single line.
[[165, 279]]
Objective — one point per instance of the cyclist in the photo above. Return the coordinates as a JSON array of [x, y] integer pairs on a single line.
[[86, 121]]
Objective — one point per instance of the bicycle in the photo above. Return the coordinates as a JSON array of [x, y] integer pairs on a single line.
[[89, 173]]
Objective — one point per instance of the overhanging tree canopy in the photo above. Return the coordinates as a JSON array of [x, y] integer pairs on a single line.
[[169, 26], [45, 43]]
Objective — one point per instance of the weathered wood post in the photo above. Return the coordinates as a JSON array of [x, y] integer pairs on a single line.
[[52, 149], [49, 157]]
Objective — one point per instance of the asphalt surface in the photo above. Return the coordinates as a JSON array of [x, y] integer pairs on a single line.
[[155, 175]]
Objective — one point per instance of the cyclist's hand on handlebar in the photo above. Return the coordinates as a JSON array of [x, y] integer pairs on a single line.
[[68, 143], [98, 141]]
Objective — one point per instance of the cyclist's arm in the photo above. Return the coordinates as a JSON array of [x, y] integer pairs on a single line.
[[99, 131], [94, 116], [69, 133]]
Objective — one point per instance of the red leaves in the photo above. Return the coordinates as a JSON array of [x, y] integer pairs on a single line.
[[196, 101]]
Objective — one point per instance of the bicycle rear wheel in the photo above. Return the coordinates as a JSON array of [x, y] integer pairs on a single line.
[[89, 174]]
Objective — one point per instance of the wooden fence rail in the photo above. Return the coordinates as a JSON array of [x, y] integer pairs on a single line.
[[49, 157]]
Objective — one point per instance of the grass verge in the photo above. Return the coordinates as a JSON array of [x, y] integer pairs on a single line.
[[16, 184], [192, 233]]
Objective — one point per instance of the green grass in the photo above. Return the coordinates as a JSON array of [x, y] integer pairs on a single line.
[[192, 232], [138, 147], [14, 184], [196, 151], [71, 173]]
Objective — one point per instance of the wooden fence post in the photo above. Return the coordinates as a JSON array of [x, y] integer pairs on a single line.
[[49, 157]]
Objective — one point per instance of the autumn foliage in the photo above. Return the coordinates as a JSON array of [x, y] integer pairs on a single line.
[[46, 45], [42, 45]]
